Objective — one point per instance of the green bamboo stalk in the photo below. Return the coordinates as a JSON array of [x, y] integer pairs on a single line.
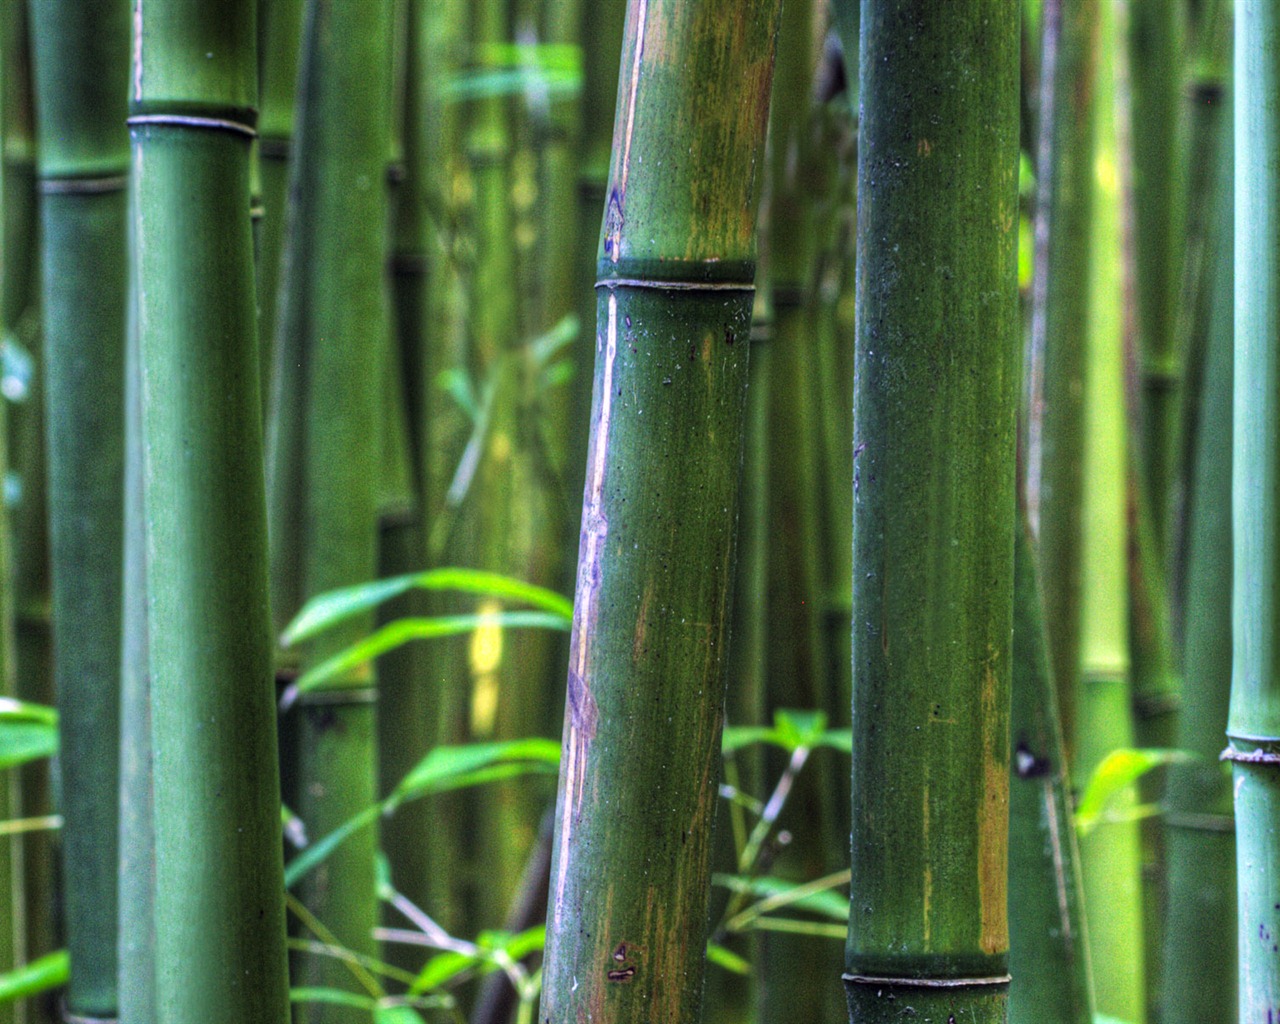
[[19, 288], [12, 923], [404, 737], [1156, 63], [934, 403], [1060, 296], [1199, 977], [627, 915], [1110, 855], [338, 305], [1048, 952], [1253, 724], [796, 972], [1209, 121], [137, 979], [81, 67], [219, 911], [281, 36]]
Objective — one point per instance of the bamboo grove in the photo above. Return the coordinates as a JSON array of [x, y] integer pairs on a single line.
[[639, 510]]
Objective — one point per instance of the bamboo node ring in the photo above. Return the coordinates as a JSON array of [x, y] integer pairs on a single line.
[[83, 186], [871, 979], [191, 121]]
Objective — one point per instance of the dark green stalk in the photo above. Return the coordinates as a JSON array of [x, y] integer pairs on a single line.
[[1060, 297], [405, 736], [12, 924], [1110, 855], [1199, 977], [335, 320], [219, 910], [1049, 953], [795, 975], [627, 916], [935, 386], [516, 525], [281, 32], [1156, 63], [81, 69], [20, 313], [1253, 725], [137, 836]]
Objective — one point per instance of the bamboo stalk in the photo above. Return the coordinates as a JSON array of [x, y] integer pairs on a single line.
[[1253, 724], [1199, 977], [795, 972], [627, 913], [80, 65], [219, 911], [337, 247], [281, 36], [1060, 296], [1111, 855], [934, 402], [1049, 953], [19, 309], [137, 868], [1156, 43]]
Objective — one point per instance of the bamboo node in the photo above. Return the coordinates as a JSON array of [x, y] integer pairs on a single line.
[[83, 186], [871, 979], [675, 286], [190, 121]]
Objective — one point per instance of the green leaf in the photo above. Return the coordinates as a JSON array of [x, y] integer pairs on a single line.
[[441, 969], [332, 996], [444, 769], [332, 607], [396, 1015], [837, 739], [736, 737], [546, 346], [14, 710], [402, 631], [444, 766], [31, 979], [729, 960], [1115, 774], [25, 740], [558, 56], [827, 903], [798, 729], [321, 848]]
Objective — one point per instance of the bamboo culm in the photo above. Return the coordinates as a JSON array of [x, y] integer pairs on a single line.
[[627, 913], [81, 65], [1253, 723], [219, 907], [934, 407]]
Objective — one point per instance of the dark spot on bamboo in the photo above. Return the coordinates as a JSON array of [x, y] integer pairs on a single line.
[[620, 953], [728, 336], [624, 974]]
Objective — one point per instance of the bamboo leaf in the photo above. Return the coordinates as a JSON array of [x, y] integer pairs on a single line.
[[321, 848], [31, 979], [23, 741], [456, 383], [736, 737], [826, 902], [1114, 774], [511, 82], [15, 710], [837, 739], [726, 958], [325, 610], [396, 1015], [547, 346], [798, 729], [441, 969], [333, 997], [394, 634], [446, 765]]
